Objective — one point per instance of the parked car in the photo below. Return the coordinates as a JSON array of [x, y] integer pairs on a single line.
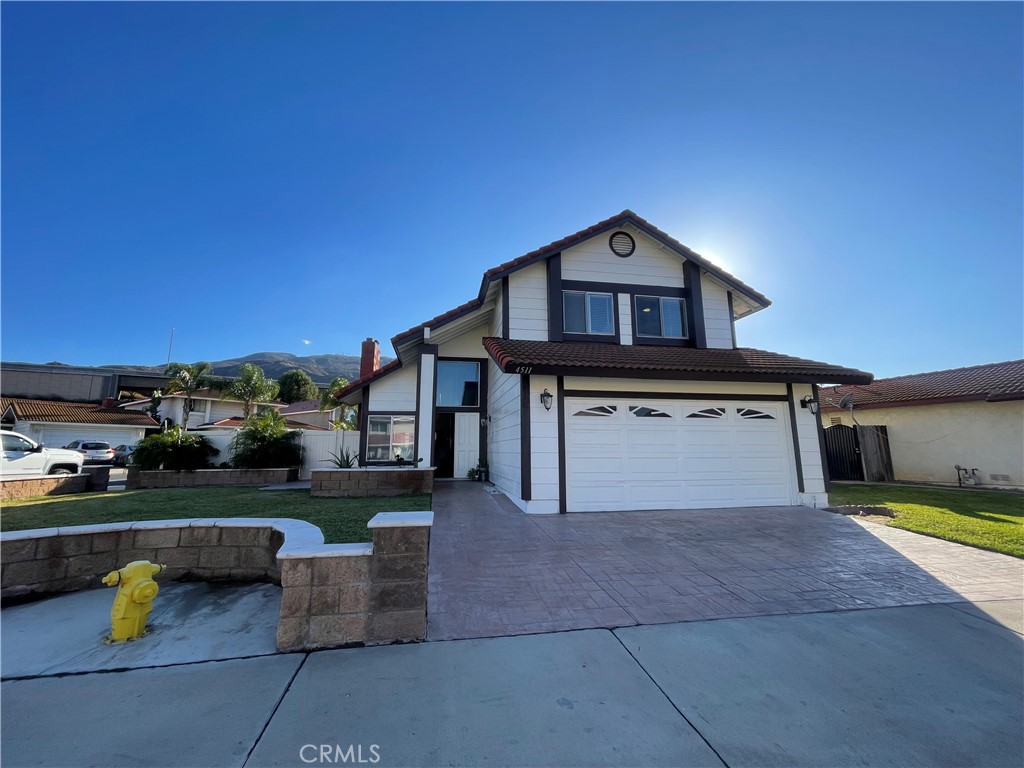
[[23, 456], [121, 455], [93, 451]]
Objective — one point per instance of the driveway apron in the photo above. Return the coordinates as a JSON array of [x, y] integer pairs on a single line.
[[496, 571]]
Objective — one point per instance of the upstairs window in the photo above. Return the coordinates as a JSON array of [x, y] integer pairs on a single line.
[[458, 384], [659, 317], [588, 313]]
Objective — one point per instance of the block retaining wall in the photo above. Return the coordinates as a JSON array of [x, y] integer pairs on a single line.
[[204, 478], [370, 481], [332, 595], [43, 485]]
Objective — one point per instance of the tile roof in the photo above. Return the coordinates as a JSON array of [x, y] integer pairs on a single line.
[[992, 382], [74, 413], [302, 406], [590, 359], [625, 217], [238, 421]]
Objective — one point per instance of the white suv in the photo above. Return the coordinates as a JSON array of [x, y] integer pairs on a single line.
[[22, 457]]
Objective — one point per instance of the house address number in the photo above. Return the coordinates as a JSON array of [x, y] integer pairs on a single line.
[[524, 369]]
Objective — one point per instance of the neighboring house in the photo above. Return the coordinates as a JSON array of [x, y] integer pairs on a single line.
[[237, 422], [308, 412], [208, 408], [55, 424], [601, 372], [972, 416]]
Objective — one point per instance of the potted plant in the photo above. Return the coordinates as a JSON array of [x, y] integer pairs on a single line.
[[481, 471], [472, 474]]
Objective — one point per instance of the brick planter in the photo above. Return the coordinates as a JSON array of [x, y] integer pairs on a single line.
[[43, 485], [332, 595], [371, 481], [206, 478]]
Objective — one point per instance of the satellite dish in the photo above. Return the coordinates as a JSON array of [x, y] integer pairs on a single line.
[[847, 401]]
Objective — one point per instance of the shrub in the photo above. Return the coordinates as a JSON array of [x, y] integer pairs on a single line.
[[345, 460], [173, 449], [266, 442]]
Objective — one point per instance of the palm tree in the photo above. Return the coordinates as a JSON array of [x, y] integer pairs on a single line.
[[251, 387], [329, 401], [187, 380]]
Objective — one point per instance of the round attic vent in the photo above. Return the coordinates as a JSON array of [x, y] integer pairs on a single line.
[[622, 244]]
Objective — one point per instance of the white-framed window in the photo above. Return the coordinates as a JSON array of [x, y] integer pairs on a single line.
[[588, 313], [390, 437], [660, 317]]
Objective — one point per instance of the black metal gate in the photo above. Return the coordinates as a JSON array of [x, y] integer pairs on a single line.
[[842, 449]]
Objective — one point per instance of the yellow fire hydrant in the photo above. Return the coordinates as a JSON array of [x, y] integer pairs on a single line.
[[134, 599]]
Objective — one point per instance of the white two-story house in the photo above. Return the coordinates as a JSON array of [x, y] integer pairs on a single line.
[[601, 372]]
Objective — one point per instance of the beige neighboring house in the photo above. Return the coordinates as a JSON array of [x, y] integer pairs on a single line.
[[307, 412], [208, 408], [972, 416]]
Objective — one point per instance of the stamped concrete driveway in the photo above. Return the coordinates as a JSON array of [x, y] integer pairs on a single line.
[[496, 571]]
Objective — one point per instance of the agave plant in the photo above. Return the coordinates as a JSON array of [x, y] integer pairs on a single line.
[[345, 460]]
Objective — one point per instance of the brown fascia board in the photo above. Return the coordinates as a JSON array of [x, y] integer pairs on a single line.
[[546, 252], [976, 398]]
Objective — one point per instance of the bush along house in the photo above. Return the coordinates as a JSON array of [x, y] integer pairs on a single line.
[[601, 373]]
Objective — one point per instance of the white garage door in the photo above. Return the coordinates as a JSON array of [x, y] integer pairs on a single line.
[[58, 437], [656, 454]]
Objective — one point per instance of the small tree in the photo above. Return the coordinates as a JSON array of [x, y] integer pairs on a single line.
[[173, 449], [265, 442], [251, 387], [296, 386], [187, 380], [329, 401]]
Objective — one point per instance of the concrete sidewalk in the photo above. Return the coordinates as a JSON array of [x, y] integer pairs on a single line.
[[927, 685]]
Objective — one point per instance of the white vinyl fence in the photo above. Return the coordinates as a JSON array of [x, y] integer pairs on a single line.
[[317, 447]]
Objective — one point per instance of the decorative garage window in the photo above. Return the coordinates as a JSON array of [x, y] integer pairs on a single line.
[[390, 437], [707, 413], [598, 410], [645, 412], [752, 413]]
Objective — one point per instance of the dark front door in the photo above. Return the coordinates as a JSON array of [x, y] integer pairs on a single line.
[[444, 445]]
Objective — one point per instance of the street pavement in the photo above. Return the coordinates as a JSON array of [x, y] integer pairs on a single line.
[[929, 685]]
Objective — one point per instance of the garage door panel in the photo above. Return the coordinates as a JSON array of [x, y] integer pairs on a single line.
[[720, 460]]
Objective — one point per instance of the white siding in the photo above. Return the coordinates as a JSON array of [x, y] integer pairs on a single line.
[[594, 261], [222, 410], [543, 448], [810, 452], [425, 408], [503, 432], [394, 392], [625, 319], [717, 323], [496, 317], [528, 303], [469, 344]]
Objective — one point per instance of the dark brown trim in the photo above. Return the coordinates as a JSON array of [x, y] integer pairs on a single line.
[[796, 438], [642, 290], [433, 413], [525, 452], [505, 311], [635, 373], [458, 409], [554, 273], [563, 502], [632, 244], [593, 338], [672, 395], [428, 349], [364, 409], [821, 442], [484, 425], [691, 272], [732, 320]]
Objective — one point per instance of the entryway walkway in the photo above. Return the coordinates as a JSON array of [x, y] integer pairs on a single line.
[[497, 571]]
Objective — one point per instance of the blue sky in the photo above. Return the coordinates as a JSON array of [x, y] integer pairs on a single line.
[[256, 175]]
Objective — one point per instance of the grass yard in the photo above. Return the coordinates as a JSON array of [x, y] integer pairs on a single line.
[[341, 520], [987, 519]]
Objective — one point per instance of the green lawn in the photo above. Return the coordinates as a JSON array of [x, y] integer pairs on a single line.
[[987, 519], [341, 520]]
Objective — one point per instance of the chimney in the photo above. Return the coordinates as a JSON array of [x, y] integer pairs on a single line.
[[369, 359]]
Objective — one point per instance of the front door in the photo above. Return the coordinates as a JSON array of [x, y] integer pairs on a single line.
[[444, 445]]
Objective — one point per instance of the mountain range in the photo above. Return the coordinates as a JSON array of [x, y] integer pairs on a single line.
[[321, 368]]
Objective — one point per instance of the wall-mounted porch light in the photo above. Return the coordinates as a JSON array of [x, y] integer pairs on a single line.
[[485, 419], [545, 399], [810, 404]]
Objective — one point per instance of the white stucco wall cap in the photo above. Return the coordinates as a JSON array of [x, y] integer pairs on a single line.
[[402, 520], [324, 550]]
